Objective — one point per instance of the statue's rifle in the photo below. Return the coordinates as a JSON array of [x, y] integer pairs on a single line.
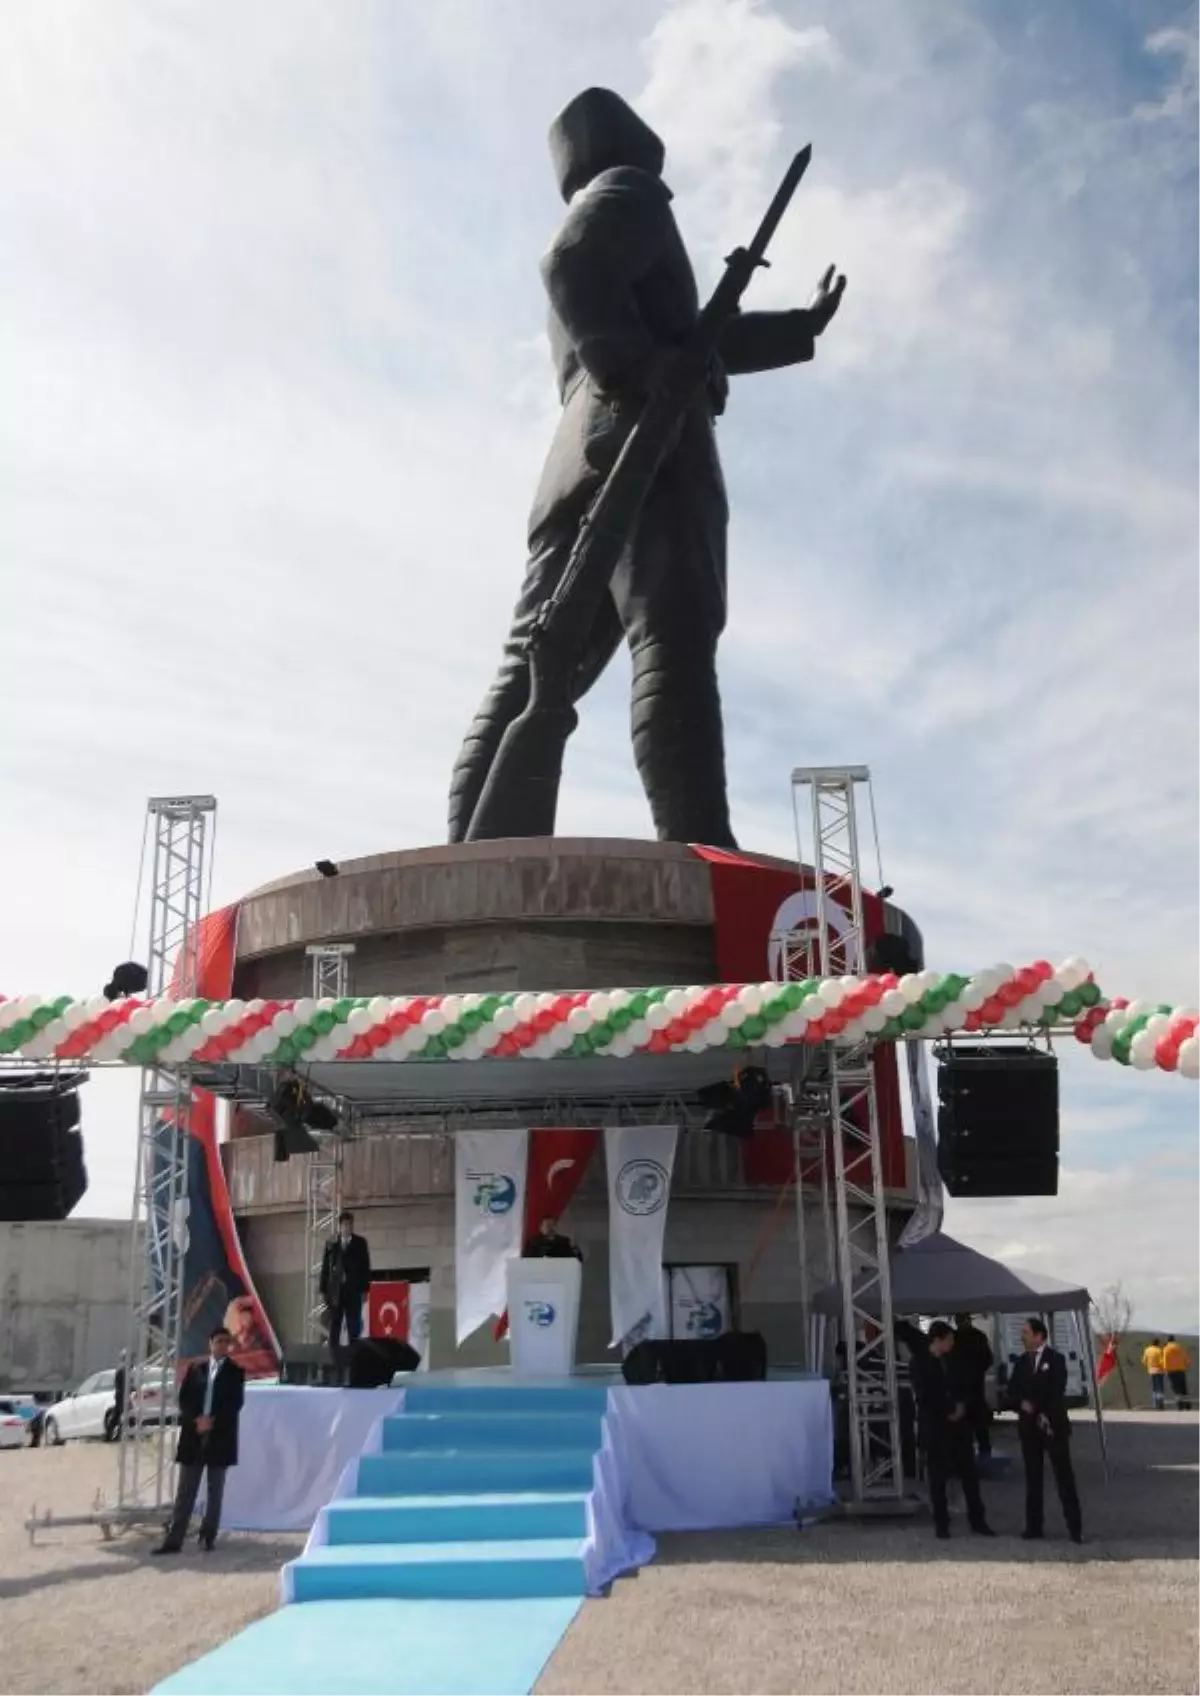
[[520, 796]]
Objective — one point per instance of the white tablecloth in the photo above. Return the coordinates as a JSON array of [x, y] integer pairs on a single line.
[[293, 1446], [695, 1457]]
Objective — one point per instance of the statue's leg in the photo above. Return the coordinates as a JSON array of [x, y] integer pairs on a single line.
[[670, 593], [507, 698]]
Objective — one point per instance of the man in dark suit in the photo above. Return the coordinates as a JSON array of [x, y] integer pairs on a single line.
[[345, 1280], [943, 1430], [973, 1357], [210, 1400], [1036, 1390], [547, 1244]]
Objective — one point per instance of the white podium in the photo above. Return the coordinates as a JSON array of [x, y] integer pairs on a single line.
[[543, 1316]]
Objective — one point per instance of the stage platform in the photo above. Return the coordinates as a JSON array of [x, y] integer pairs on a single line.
[[672, 1457], [458, 1519]]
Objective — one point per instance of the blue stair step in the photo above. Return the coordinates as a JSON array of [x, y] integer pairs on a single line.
[[456, 1519], [452, 1571], [506, 1398], [465, 1472], [494, 1429]]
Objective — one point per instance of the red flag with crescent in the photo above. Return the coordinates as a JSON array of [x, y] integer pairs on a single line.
[[387, 1309], [558, 1158]]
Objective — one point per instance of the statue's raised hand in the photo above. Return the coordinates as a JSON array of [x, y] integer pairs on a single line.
[[827, 297]]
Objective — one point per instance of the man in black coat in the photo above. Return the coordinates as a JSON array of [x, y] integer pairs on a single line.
[[973, 1357], [210, 1402], [547, 1243], [345, 1280], [622, 298], [1037, 1391], [942, 1428]]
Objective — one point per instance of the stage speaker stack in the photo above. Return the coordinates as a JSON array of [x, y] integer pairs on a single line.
[[373, 1361], [42, 1175], [998, 1121], [736, 1357]]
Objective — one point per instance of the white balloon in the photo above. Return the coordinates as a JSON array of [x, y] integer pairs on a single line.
[[546, 1002], [852, 1033], [284, 1023], [76, 1015], [1116, 1019], [658, 1016], [676, 1002], [451, 1008], [1013, 1019], [620, 998], [621, 1047], [893, 1003], [831, 992], [750, 998], [598, 1005], [1141, 1061], [212, 1023], [433, 1021], [874, 1019], [1102, 1042], [813, 1008], [1135, 1010], [471, 1002], [234, 1010], [579, 1020], [732, 1015], [1157, 1025], [305, 1009], [257, 1004], [953, 1016], [973, 996], [796, 1022], [909, 988], [140, 1021], [1142, 1047], [505, 1019], [525, 1006], [95, 1006], [638, 1033], [1189, 1057], [695, 1043]]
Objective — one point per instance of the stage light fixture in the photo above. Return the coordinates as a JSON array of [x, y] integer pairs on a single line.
[[735, 1106], [129, 978], [889, 953], [296, 1116], [327, 868]]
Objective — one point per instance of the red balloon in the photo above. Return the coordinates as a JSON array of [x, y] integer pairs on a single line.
[[1166, 1052], [835, 1020], [992, 1011], [814, 1030], [1083, 1033], [889, 980], [972, 1021], [659, 1043], [1119, 1001], [1044, 970]]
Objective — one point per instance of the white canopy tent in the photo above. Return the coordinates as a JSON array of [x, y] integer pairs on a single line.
[[940, 1275]]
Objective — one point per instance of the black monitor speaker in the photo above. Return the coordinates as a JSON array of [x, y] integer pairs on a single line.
[[42, 1173], [998, 1121]]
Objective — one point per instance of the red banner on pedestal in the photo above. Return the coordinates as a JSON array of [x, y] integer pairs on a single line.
[[754, 903]]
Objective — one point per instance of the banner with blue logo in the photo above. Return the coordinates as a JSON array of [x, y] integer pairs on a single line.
[[640, 1160], [489, 1216]]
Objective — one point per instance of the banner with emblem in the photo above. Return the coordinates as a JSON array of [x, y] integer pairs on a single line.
[[489, 1211], [640, 1160]]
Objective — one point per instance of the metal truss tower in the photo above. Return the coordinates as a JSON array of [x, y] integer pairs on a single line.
[[179, 826], [330, 980], [828, 795]]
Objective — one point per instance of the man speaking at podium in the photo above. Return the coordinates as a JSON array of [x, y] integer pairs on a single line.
[[547, 1244]]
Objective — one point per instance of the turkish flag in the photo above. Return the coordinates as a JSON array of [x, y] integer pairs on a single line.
[[1108, 1360], [387, 1310], [557, 1160]]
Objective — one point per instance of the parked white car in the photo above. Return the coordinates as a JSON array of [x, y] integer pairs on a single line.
[[13, 1429], [82, 1413]]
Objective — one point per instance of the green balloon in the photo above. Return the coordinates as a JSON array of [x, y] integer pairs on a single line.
[[454, 1036], [754, 1028], [1088, 993], [1069, 1005], [913, 1019], [305, 1037], [737, 1038], [41, 1017], [581, 1047], [638, 1004]]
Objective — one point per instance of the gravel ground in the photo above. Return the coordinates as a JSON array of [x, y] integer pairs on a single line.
[[886, 1608], [80, 1614], [839, 1608]]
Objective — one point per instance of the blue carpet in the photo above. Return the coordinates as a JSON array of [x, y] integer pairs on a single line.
[[385, 1648]]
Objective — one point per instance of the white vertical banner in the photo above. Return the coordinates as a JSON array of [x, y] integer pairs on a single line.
[[489, 1216], [926, 1217], [640, 1159], [418, 1322]]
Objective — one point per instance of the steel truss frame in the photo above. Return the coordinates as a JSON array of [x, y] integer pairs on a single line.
[[145, 1471], [323, 1187], [863, 1267]]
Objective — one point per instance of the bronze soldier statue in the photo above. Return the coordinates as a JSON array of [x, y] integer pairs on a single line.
[[624, 312]]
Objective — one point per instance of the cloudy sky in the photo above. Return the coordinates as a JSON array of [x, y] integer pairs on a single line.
[[275, 397]]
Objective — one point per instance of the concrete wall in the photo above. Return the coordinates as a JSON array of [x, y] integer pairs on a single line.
[[753, 1234], [64, 1294]]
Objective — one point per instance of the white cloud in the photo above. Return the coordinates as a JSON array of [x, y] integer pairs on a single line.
[[273, 317]]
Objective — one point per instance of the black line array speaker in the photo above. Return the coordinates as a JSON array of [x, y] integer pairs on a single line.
[[998, 1122], [42, 1174]]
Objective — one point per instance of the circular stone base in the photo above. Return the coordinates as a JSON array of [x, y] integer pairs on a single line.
[[539, 913]]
